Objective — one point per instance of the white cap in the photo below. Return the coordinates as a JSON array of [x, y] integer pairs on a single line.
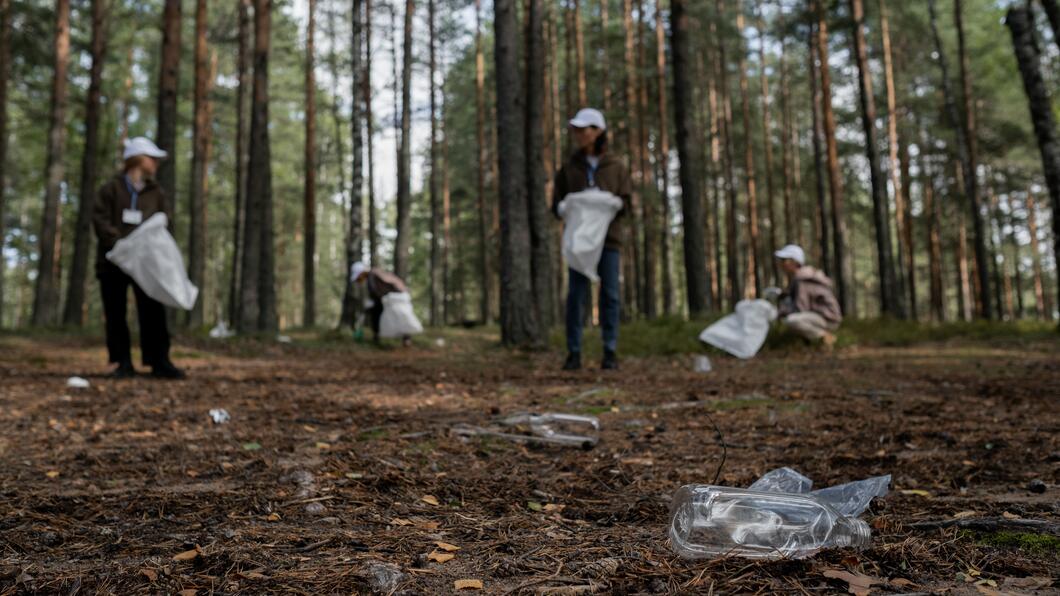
[[587, 117], [357, 269], [793, 252], [142, 146]]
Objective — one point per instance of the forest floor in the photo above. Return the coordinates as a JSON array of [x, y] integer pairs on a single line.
[[339, 472]]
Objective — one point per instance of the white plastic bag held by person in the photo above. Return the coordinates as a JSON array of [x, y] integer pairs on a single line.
[[150, 256], [398, 319], [743, 332], [586, 217]]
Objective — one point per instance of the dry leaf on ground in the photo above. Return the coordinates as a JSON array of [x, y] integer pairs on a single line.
[[859, 584], [468, 584]]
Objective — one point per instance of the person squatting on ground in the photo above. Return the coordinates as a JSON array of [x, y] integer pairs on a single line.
[[808, 306], [379, 283], [591, 166], [124, 202]]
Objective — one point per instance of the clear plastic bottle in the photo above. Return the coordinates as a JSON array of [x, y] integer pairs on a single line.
[[716, 521], [561, 429]]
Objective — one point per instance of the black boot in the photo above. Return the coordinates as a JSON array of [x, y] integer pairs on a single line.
[[610, 361], [167, 370], [574, 361], [125, 370]]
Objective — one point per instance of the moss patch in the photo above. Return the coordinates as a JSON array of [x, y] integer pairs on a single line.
[[1039, 544]]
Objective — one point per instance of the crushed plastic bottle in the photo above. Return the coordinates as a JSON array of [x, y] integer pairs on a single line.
[[220, 416], [701, 364], [716, 521], [77, 383], [562, 429]]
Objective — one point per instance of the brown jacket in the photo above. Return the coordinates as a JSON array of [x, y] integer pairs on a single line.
[[811, 291], [611, 176], [380, 283], [112, 198]]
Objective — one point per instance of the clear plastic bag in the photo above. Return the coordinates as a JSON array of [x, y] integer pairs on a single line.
[[150, 256], [851, 498], [744, 331], [716, 521], [587, 216]]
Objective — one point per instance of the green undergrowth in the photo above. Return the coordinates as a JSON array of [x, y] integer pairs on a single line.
[[1030, 542]]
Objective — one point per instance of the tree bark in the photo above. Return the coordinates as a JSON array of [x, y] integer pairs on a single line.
[[239, 214], [689, 153], [752, 275], [971, 168], [168, 81], [537, 207], [663, 158], [369, 135], [786, 147], [309, 162], [631, 262], [197, 186], [5, 69], [732, 257], [881, 215], [258, 313], [74, 313], [933, 211], [519, 326], [904, 263], [823, 246], [605, 62], [480, 168], [717, 288], [579, 54], [354, 252], [434, 181], [767, 143], [1041, 303], [404, 198], [1027, 56], [841, 256], [649, 222], [46, 298]]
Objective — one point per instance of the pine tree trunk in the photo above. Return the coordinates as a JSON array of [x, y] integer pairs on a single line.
[[1021, 25], [1017, 277], [1041, 303], [126, 100], [906, 238], [821, 219], [579, 54], [46, 298], [404, 198], [537, 206], [369, 135], [519, 325], [786, 148], [971, 168], [434, 181], [5, 68], [965, 302], [881, 215], [74, 313], [716, 170], [732, 257], [605, 62], [309, 195], [904, 263], [689, 153], [240, 211], [649, 222], [354, 253], [197, 198], [258, 313], [752, 275], [168, 81], [932, 209], [448, 246], [631, 261], [485, 276], [841, 257], [767, 143], [996, 253], [663, 157]]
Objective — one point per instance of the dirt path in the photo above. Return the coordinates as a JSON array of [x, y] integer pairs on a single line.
[[339, 466]]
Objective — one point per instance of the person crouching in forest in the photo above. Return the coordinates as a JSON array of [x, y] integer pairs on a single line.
[[126, 201], [591, 166], [379, 283], [808, 306]]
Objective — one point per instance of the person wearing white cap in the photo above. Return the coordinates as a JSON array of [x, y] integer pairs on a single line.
[[379, 283], [808, 306], [591, 166], [124, 202]]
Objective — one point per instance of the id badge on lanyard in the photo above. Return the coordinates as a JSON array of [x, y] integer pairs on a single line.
[[132, 216]]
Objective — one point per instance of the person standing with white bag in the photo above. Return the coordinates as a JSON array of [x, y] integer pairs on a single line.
[[382, 286], [123, 203], [592, 167]]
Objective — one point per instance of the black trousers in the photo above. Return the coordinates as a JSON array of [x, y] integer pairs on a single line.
[[375, 314], [154, 334]]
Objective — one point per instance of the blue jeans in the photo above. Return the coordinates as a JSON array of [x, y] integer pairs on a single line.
[[578, 295]]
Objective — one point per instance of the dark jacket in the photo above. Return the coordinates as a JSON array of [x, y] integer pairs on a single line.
[[611, 176], [112, 198], [380, 283], [811, 291]]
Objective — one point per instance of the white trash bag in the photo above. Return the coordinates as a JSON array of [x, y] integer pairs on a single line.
[[586, 216], [398, 318], [150, 256], [743, 332]]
